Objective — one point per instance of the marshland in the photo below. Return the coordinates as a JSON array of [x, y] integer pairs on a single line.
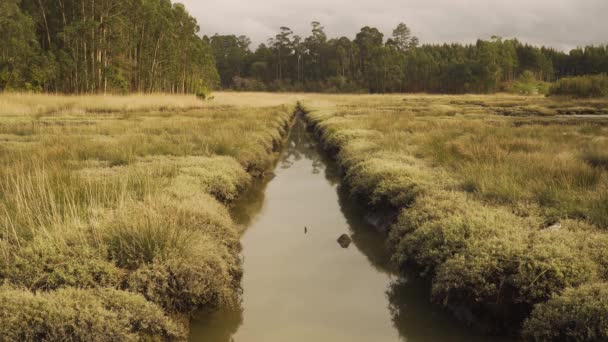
[[135, 206], [159, 183]]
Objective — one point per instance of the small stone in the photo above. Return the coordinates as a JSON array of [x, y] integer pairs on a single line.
[[344, 240]]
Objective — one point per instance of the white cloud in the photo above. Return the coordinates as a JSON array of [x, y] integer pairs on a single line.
[[560, 23]]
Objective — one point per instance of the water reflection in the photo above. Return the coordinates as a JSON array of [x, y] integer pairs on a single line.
[[247, 207], [301, 146], [305, 287], [216, 326]]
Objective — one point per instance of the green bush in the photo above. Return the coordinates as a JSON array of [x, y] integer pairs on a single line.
[[186, 285], [512, 270], [579, 314], [82, 315], [41, 265], [441, 224], [581, 86], [202, 91], [527, 84]]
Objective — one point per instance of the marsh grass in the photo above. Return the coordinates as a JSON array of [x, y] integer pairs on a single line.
[[127, 193], [48, 105], [477, 181]]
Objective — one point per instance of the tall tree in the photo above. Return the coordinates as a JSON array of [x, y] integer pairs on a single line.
[[403, 38]]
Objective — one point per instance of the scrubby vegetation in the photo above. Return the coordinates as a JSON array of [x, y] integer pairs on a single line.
[[577, 315], [113, 210], [82, 315], [502, 200], [581, 86]]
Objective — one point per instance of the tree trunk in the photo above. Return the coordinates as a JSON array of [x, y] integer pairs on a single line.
[[46, 24]]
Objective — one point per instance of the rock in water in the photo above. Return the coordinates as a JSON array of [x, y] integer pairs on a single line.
[[344, 240]]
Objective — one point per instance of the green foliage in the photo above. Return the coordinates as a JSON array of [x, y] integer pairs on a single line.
[[371, 63], [581, 86], [125, 46], [579, 314], [82, 315], [202, 92], [527, 84], [21, 61]]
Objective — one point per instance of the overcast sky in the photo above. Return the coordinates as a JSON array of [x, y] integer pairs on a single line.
[[563, 24]]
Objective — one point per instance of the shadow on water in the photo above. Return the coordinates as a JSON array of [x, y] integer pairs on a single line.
[[395, 307], [408, 295]]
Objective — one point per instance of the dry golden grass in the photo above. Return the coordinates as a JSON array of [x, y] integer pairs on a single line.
[[46, 104], [128, 193]]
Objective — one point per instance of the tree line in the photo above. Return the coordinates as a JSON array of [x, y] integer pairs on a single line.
[[82, 46], [371, 63], [93, 46]]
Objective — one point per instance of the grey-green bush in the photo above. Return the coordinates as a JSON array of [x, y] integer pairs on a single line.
[[82, 315], [579, 314]]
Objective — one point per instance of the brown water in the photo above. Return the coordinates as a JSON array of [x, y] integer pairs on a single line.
[[301, 286]]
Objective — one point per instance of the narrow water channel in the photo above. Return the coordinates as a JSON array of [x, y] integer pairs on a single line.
[[303, 286]]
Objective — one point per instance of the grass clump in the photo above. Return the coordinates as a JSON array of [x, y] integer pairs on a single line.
[[579, 314], [82, 315], [180, 258], [42, 266]]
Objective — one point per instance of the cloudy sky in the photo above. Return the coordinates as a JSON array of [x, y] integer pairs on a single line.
[[563, 24]]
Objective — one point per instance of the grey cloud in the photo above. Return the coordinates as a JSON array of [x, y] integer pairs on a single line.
[[563, 24]]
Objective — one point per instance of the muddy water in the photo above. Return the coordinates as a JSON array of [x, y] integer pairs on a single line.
[[303, 286]]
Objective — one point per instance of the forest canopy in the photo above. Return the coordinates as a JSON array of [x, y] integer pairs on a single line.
[[92, 46], [120, 46], [374, 63]]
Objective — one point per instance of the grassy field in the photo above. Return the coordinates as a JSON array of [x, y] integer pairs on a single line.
[[114, 210], [502, 200], [114, 218]]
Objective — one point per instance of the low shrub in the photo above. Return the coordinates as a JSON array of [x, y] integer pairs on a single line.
[[512, 270], [188, 284], [581, 86], [82, 315], [528, 84], [43, 264], [579, 314]]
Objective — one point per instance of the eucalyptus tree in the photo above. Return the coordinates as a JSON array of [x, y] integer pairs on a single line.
[[18, 49], [283, 46], [111, 45]]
